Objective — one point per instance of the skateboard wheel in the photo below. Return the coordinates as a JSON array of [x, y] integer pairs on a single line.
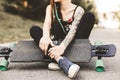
[[99, 66], [4, 65], [97, 43]]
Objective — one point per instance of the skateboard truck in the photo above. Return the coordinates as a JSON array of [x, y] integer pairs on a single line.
[[101, 50], [4, 51]]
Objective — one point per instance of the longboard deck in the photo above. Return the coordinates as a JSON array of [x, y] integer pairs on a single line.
[[80, 50], [28, 51]]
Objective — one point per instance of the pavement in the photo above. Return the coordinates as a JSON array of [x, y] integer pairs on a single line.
[[39, 71]]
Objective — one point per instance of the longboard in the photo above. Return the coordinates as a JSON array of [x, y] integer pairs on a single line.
[[80, 50]]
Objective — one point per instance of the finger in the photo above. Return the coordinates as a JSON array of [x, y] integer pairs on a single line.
[[49, 54], [52, 51], [52, 56], [55, 56]]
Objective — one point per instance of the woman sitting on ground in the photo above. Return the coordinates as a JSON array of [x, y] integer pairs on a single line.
[[70, 27]]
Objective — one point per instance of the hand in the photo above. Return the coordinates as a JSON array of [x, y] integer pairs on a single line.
[[43, 44], [56, 51]]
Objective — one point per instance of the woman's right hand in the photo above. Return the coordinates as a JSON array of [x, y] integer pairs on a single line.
[[44, 43]]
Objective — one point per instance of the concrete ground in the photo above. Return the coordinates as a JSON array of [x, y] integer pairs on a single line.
[[39, 71]]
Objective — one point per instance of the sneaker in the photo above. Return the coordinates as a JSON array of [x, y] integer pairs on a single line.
[[68, 67], [73, 70], [53, 66]]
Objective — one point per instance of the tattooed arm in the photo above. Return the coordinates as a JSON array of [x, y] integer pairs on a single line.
[[57, 51], [73, 28]]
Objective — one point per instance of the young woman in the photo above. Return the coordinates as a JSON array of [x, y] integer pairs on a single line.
[[69, 26]]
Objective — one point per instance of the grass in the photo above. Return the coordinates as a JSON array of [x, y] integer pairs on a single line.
[[13, 27]]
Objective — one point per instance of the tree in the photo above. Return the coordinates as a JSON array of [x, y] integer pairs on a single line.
[[35, 9]]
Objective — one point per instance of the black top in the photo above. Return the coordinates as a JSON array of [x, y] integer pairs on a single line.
[[69, 22], [57, 30]]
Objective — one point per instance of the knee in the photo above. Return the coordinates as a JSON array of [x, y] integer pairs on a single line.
[[90, 16], [34, 29]]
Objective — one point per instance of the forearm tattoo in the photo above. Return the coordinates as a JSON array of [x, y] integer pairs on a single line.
[[73, 28]]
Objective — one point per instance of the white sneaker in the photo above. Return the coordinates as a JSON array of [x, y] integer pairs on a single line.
[[68, 67], [73, 70], [53, 66]]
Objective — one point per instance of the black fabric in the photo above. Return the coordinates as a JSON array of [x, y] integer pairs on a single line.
[[36, 33], [57, 30], [83, 31], [74, 11], [85, 26]]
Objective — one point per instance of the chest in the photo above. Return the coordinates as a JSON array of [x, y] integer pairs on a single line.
[[67, 15]]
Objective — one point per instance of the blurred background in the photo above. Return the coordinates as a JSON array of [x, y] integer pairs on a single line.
[[17, 16]]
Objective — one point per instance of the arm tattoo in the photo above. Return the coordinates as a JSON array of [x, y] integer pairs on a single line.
[[73, 28]]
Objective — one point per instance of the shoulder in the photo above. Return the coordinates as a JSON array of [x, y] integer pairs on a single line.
[[80, 10], [48, 8]]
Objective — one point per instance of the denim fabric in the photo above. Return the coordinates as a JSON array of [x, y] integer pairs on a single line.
[[65, 64]]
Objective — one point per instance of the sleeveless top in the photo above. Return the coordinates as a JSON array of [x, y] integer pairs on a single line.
[[57, 31]]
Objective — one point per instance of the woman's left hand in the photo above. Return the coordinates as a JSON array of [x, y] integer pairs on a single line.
[[56, 51]]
